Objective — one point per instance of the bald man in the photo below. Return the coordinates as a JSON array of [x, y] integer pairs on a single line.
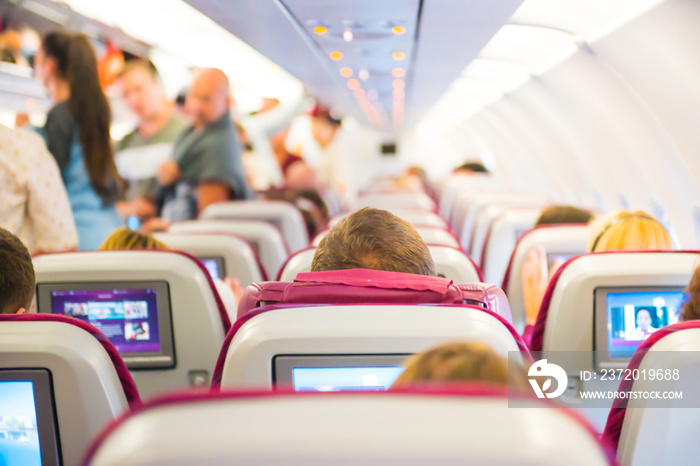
[[206, 166]]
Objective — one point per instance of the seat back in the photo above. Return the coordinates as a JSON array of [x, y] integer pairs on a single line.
[[259, 337], [264, 236], [559, 242], [636, 425], [468, 425], [360, 286], [450, 263], [398, 200], [192, 321], [239, 259], [500, 240], [576, 318], [414, 217], [283, 215], [430, 235], [90, 383]]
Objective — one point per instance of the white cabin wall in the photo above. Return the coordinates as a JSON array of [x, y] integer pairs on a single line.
[[627, 109]]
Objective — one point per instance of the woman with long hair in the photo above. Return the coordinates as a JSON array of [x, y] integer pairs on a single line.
[[77, 134]]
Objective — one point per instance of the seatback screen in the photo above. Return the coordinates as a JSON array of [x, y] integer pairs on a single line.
[[135, 316], [129, 318], [28, 433], [625, 317], [215, 267], [332, 373]]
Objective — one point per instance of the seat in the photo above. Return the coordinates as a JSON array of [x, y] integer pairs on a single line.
[[459, 425], [238, 258], [450, 263], [582, 327], [271, 332], [91, 385], [283, 215], [474, 206], [264, 236], [399, 200], [416, 218], [559, 242], [501, 238], [650, 432], [115, 288], [430, 235], [361, 286]]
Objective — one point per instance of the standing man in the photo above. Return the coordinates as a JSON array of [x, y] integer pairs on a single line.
[[143, 150], [206, 166]]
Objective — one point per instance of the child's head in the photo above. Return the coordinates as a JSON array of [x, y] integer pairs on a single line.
[[124, 239], [455, 362], [17, 278]]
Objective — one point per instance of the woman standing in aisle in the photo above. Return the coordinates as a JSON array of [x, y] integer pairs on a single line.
[[77, 134]]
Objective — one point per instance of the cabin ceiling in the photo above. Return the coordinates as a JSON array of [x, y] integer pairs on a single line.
[[367, 79]]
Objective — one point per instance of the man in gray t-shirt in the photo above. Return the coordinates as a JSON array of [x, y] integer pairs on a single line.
[[206, 166], [141, 152]]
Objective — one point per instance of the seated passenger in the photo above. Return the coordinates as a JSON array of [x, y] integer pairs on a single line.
[[35, 204], [691, 306], [628, 231], [458, 362], [535, 274], [374, 239], [17, 278]]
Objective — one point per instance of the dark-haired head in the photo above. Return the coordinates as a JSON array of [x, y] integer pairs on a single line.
[[17, 278], [472, 167]]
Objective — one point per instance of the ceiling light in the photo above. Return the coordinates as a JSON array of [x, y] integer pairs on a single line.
[[320, 30], [336, 55], [398, 30], [363, 75], [347, 35], [346, 72], [398, 56], [398, 72], [353, 84], [398, 84]]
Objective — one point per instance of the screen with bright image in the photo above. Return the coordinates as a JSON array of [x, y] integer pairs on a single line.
[[213, 268], [634, 315], [19, 437], [335, 379], [129, 318]]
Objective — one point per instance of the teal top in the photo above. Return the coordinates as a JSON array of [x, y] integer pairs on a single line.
[[94, 220]]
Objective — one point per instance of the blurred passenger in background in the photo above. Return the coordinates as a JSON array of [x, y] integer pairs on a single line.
[[374, 239], [691, 306], [17, 279], [77, 134], [563, 214], [206, 167], [33, 201], [628, 231], [141, 152], [470, 168]]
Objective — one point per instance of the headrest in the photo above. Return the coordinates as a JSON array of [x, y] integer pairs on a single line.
[[350, 428], [360, 286], [127, 382]]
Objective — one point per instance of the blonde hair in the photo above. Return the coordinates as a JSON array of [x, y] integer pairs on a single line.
[[628, 231], [456, 362], [124, 239]]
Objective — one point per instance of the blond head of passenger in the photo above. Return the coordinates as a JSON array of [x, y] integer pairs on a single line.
[[628, 231], [124, 239], [691, 307], [374, 239], [455, 363], [17, 279]]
